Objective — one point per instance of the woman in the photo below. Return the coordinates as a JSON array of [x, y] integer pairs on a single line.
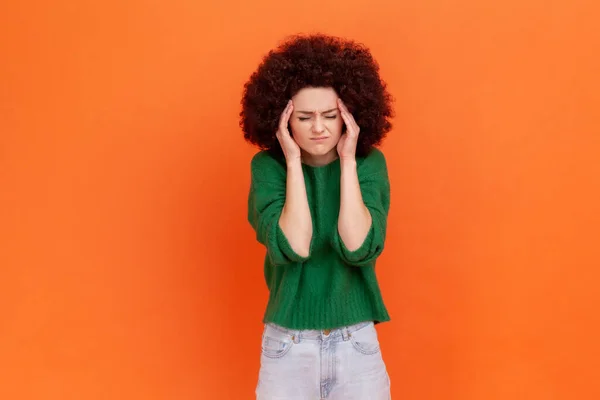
[[319, 200]]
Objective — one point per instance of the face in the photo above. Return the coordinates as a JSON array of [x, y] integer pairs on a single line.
[[316, 124]]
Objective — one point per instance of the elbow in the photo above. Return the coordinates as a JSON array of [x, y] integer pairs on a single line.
[[354, 233], [303, 252], [353, 246], [363, 260], [302, 248]]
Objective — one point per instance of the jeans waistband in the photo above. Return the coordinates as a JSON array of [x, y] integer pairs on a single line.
[[320, 333]]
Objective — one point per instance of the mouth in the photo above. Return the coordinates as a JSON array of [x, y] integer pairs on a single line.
[[319, 139]]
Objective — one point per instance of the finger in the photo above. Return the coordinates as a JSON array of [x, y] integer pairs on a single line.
[[283, 113], [355, 127], [351, 127], [286, 108], [282, 141], [348, 117], [343, 108], [285, 117], [288, 113], [347, 120], [279, 139], [283, 136]]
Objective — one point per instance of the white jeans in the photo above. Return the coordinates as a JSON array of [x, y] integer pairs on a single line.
[[344, 363]]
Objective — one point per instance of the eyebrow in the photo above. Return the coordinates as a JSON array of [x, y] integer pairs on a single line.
[[311, 112]]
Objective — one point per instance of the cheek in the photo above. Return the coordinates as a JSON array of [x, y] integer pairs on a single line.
[[298, 130], [336, 126]]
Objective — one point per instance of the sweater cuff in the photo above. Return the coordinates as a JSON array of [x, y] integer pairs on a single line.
[[358, 255], [283, 245]]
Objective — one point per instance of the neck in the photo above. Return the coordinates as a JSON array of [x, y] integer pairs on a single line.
[[319, 160]]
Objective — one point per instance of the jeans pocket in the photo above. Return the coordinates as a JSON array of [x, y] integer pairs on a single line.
[[276, 343], [365, 340]]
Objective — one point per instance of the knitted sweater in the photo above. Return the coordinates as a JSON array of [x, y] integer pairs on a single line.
[[333, 286]]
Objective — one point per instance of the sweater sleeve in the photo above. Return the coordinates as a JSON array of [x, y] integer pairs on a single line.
[[265, 204], [375, 189]]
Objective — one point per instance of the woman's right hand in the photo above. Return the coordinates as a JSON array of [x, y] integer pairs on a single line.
[[290, 148]]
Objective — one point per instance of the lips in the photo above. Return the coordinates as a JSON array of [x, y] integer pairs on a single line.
[[319, 139]]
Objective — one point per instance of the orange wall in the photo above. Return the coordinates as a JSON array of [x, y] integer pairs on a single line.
[[128, 270]]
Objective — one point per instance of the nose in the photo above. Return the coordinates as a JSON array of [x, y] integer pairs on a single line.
[[318, 126]]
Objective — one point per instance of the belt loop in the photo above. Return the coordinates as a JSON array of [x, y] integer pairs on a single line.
[[345, 333], [296, 336]]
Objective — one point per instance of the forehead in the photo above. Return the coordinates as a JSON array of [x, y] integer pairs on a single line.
[[315, 99]]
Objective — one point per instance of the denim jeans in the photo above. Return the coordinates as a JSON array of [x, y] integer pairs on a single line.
[[344, 363]]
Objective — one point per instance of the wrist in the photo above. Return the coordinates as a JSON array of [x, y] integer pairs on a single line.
[[348, 162], [294, 163]]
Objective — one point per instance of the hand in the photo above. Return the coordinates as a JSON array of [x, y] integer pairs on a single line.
[[346, 146], [290, 148]]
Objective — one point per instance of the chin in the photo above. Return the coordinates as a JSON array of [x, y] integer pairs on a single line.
[[320, 152]]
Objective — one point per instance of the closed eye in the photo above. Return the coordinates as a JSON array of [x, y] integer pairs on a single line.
[[307, 118]]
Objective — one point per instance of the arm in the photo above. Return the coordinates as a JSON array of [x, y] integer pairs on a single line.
[[278, 205], [364, 207], [275, 206], [354, 219], [364, 199], [295, 220]]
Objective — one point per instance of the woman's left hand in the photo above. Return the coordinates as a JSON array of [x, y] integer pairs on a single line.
[[346, 147]]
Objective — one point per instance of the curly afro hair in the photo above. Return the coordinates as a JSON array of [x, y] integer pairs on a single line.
[[316, 61]]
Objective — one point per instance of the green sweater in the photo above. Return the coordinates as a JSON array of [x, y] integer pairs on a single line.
[[332, 287]]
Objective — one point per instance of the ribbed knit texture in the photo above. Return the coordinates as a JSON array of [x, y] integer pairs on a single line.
[[333, 286]]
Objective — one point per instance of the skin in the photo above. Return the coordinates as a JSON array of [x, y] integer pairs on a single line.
[[354, 220], [316, 125], [316, 117]]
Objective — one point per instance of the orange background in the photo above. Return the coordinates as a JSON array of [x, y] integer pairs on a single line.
[[128, 270]]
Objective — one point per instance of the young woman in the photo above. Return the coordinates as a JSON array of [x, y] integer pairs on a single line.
[[319, 199]]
